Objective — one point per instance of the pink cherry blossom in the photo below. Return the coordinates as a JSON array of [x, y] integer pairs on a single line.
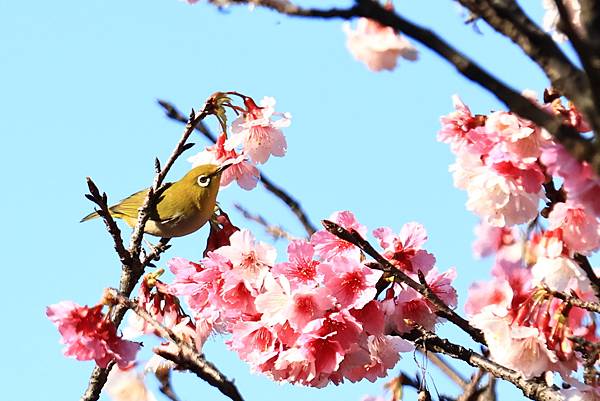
[[490, 239], [520, 348], [580, 229], [559, 274], [89, 335], [309, 304], [441, 285], [457, 125], [377, 46], [221, 229], [350, 282], [127, 385], [373, 359], [580, 182], [496, 294], [257, 132], [404, 250], [501, 196], [301, 268], [254, 341], [327, 245], [241, 171], [250, 259], [518, 140]]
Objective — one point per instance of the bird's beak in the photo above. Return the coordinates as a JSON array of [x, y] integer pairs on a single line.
[[222, 168]]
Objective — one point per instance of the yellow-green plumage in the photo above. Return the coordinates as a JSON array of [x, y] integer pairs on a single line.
[[182, 208]]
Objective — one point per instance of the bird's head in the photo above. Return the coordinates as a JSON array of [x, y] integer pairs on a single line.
[[204, 180]]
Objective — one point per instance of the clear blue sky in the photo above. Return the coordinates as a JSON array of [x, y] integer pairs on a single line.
[[79, 82]]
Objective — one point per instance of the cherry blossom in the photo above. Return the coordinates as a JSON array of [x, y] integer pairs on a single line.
[[580, 229], [250, 259], [327, 245], [301, 268], [259, 135], [377, 46], [404, 250], [351, 282], [89, 335], [241, 171], [457, 126], [581, 184], [127, 385]]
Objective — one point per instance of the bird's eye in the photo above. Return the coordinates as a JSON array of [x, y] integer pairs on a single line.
[[203, 181]]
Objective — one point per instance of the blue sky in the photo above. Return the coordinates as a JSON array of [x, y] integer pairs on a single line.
[[79, 83]]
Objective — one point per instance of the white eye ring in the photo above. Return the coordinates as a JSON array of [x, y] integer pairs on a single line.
[[203, 181]]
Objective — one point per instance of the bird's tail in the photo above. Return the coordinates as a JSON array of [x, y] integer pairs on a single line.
[[90, 216]]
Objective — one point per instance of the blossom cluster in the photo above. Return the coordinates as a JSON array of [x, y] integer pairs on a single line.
[[88, 334], [503, 162], [508, 166], [322, 316], [256, 134]]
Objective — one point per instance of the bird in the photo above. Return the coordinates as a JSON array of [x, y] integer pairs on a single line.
[[182, 207]]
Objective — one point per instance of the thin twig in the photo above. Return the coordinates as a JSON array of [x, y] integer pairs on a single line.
[[442, 309], [536, 390], [448, 370], [587, 268], [111, 226], [156, 251], [471, 390], [174, 114], [166, 386], [574, 300], [186, 357], [277, 232]]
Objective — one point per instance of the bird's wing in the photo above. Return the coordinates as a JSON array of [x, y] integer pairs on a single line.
[[129, 206]]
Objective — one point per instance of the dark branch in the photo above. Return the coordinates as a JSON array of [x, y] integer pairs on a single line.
[[442, 309], [166, 386], [509, 19], [186, 357], [429, 341], [585, 265], [580, 147], [111, 226], [574, 300]]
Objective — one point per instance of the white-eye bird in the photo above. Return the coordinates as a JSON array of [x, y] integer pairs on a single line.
[[183, 206]]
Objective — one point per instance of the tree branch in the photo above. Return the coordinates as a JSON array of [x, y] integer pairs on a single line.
[[277, 232], [581, 48], [447, 369], [156, 251], [174, 114], [111, 226], [536, 390], [507, 18], [186, 357], [442, 309], [471, 390], [585, 265], [580, 147], [574, 300]]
